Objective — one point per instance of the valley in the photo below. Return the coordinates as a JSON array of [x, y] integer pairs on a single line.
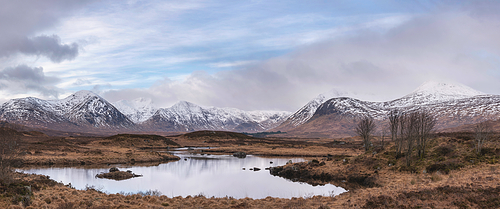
[[321, 136]]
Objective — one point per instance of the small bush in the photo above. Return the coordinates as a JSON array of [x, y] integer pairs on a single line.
[[445, 167], [444, 150], [436, 177], [487, 151], [25, 200], [411, 169]]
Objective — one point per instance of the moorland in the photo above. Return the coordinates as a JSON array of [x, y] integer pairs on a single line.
[[452, 174]]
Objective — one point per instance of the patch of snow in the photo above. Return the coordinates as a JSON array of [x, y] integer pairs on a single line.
[[137, 110]]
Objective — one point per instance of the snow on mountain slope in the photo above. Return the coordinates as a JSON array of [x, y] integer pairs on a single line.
[[438, 98], [87, 108], [435, 92], [137, 110], [30, 109], [83, 109], [186, 116], [426, 95], [452, 104], [305, 113], [351, 107]]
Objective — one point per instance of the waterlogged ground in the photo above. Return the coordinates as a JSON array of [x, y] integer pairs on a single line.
[[194, 174]]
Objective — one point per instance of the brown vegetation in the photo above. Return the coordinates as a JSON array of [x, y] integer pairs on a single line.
[[451, 172], [43, 150], [118, 175]]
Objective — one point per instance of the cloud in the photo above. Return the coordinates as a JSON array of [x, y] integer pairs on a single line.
[[22, 78], [231, 64], [452, 44], [23, 26], [22, 22], [48, 46], [80, 82]]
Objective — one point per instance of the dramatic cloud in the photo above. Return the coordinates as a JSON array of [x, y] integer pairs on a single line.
[[22, 21], [250, 55], [455, 45], [23, 26], [21, 79]]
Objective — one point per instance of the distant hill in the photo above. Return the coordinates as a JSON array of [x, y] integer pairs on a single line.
[[453, 105]]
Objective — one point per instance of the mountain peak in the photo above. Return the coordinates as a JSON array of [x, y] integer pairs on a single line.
[[184, 104], [449, 89], [434, 92], [137, 110], [81, 94]]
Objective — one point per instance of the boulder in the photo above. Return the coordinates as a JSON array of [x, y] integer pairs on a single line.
[[113, 169], [240, 154]]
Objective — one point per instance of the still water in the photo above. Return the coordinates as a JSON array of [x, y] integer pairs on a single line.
[[194, 174]]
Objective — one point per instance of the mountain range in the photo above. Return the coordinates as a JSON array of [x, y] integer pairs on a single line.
[[85, 111], [327, 115], [452, 104]]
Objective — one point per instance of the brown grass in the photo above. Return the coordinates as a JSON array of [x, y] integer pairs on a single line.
[[375, 179]]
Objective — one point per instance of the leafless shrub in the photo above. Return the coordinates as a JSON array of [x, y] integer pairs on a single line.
[[426, 122], [411, 131], [394, 122], [482, 133], [365, 129], [383, 133]]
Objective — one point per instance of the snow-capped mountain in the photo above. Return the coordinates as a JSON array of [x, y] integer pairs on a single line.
[[137, 110], [435, 92], [452, 104], [85, 111], [307, 111], [79, 111], [186, 116]]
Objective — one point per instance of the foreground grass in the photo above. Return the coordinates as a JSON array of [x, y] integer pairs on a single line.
[[451, 173]]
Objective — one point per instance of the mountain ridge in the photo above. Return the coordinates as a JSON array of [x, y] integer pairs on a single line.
[[86, 111], [453, 105], [82, 110], [186, 116]]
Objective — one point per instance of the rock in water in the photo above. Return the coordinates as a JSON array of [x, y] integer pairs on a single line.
[[240, 154]]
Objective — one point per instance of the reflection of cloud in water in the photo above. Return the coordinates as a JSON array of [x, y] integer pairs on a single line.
[[212, 175]]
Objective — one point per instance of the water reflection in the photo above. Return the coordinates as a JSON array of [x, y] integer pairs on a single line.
[[212, 175]]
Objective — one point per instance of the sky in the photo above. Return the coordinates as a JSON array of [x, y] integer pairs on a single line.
[[251, 55]]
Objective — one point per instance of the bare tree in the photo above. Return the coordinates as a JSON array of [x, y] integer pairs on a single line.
[[365, 129], [426, 122], [9, 144], [394, 126], [482, 133], [384, 133], [409, 133]]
